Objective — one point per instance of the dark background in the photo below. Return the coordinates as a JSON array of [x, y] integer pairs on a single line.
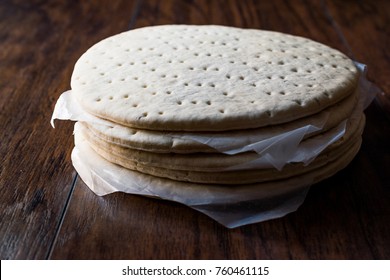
[[47, 212]]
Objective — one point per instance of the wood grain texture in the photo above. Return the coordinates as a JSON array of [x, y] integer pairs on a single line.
[[302, 18], [122, 226], [42, 215], [366, 30], [333, 223], [40, 42]]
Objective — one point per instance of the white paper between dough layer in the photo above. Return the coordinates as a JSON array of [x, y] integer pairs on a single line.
[[232, 206]]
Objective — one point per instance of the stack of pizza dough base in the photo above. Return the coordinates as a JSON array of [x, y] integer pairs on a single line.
[[218, 167], [187, 103]]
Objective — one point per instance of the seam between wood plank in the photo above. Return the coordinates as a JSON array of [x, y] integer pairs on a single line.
[[337, 28], [63, 214], [132, 22], [135, 13]]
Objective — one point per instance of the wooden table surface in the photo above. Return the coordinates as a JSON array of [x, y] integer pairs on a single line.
[[47, 212]]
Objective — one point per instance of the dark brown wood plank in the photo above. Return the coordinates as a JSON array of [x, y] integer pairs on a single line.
[[302, 18], [337, 221], [40, 42], [366, 28], [122, 226]]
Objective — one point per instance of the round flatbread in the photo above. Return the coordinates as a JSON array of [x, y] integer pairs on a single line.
[[99, 173], [209, 78], [211, 162]]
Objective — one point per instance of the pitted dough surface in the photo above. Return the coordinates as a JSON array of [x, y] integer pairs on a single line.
[[209, 78]]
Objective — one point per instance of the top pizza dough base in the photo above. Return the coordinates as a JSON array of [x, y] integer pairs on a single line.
[[209, 78]]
